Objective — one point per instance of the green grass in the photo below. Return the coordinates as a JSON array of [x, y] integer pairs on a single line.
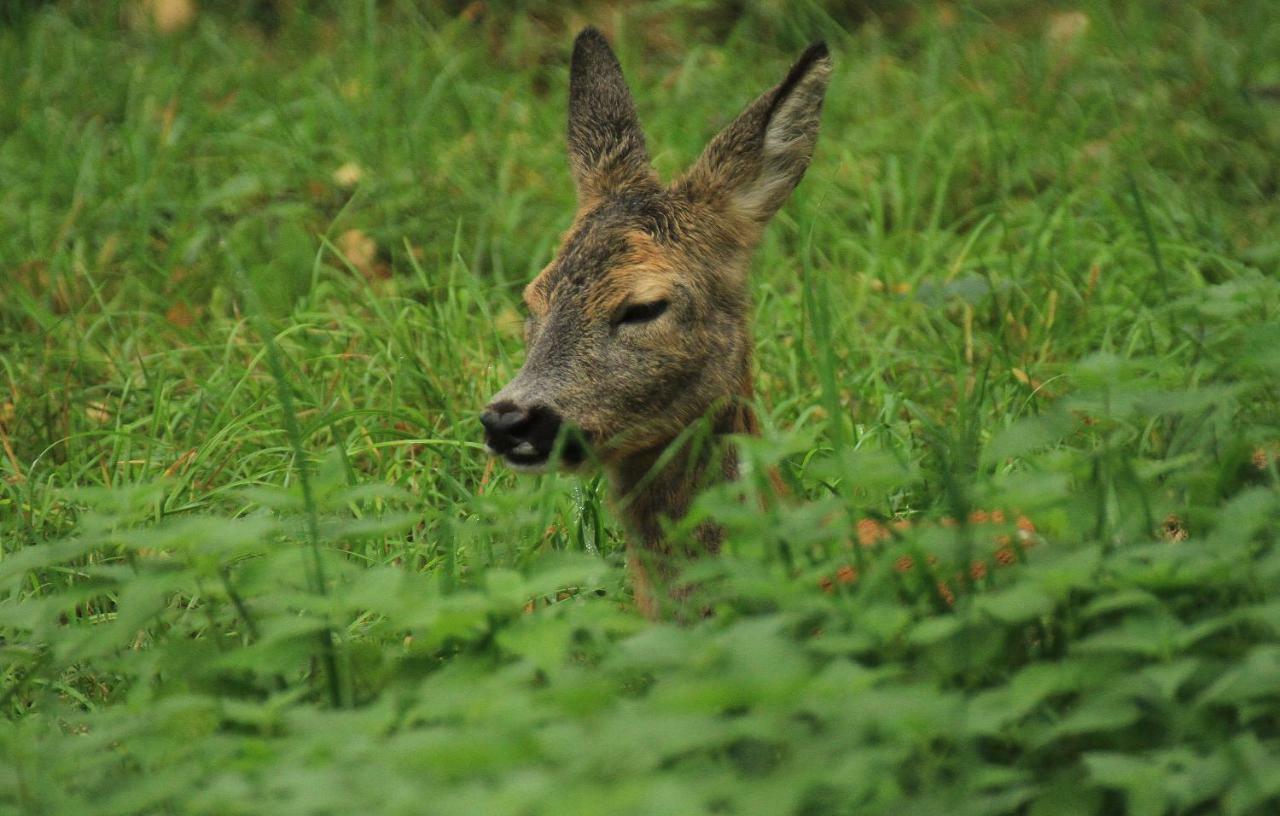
[[254, 559]]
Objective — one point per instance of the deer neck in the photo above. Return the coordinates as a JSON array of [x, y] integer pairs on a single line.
[[659, 485], [650, 487]]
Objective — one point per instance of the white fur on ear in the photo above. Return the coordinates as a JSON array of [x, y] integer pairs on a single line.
[[795, 120], [751, 166], [789, 140]]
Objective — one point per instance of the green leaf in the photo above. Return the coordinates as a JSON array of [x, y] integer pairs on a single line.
[[1257, 676], [990, 712], [1168, 678], [1255, 769], [1141, 780], [1019, 603], [541, 638], [1121, 600], [1146, 636], [506, 588], [1098, 713], [15, 565], [1058, 571], [1026, 436], [933, 630]]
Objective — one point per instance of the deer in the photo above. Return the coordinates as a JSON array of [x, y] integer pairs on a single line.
[[639, 328]]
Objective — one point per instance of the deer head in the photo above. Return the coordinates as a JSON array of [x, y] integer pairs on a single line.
[[639, 326]]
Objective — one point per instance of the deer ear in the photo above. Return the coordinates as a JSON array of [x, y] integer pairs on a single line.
[[606, 145], [752, 165]]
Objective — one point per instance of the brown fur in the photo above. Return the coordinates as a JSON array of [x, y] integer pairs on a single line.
[[631, 387]]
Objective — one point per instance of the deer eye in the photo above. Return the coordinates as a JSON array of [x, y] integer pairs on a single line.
[[642, 312]]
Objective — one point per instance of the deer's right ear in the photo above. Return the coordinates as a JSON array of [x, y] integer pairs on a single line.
[[751, 166], [606, 145]]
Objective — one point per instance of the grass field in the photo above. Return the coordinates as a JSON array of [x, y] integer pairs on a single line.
[[259, 274]]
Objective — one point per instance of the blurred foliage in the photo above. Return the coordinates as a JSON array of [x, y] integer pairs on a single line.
[[1018, 362]]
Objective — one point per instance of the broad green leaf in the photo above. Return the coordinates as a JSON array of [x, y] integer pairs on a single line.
[[1019, 603], [1141, 780], [1257, 676], [1098, 713], [934, 630]]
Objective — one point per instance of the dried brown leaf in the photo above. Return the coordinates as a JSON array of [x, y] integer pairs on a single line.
[[170, 16], [180, 315], [98, 413], [361, 252], [348, 175], [1066, 28]]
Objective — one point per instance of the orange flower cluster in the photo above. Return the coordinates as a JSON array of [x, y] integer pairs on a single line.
[[1263, 456], [870, 533], [1173, 530]]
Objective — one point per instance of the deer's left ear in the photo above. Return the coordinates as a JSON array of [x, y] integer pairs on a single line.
[[606, 144], [752, 165]]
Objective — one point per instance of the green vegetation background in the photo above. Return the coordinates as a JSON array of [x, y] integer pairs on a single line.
[[259, 272]]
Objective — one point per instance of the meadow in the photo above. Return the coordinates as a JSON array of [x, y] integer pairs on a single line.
[[260, 272]]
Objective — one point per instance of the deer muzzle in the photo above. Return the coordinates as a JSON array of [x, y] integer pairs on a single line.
[[526, 436]]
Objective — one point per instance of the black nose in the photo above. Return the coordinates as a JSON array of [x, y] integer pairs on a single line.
[[524, 435]]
